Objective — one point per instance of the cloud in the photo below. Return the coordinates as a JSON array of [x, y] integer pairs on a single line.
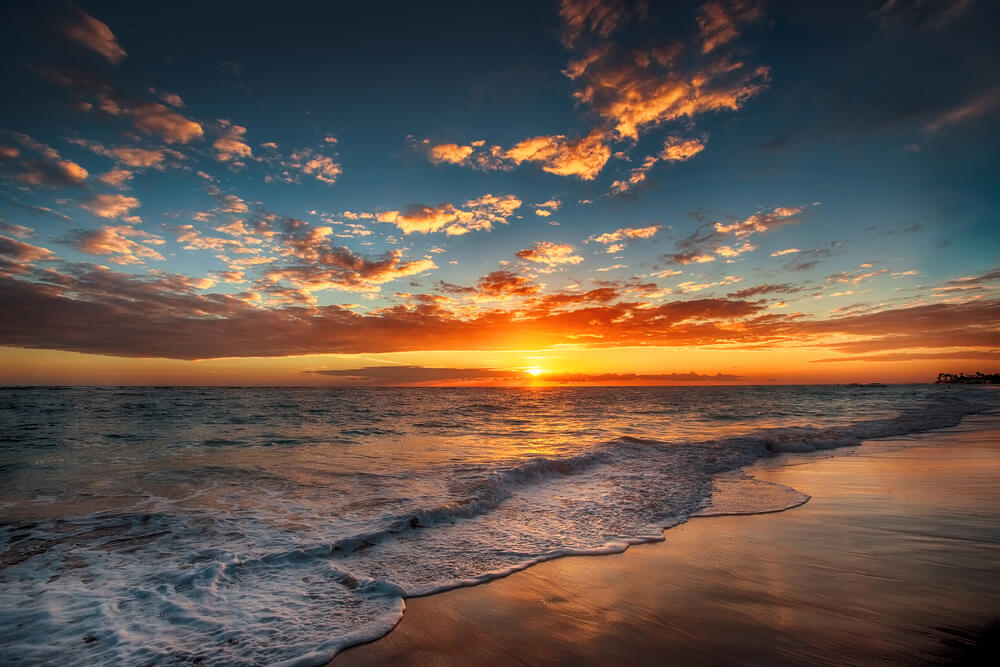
[[968, 324], [614, 239], [49, 169], [475, 215], [915, 356], [173, 99], [92, 34], [787, 251], [12, 249], [932, 16], [53, 173], [230, 145], [784, 288], [556, 154], [565, 157], [41, 210], [325, 266], [413, 375], [306, 161], [979, 106], [633, 98], [109, 206], [600, 17], [631, 89], [675, 149], [423, 375], [807, 259], [20, 231], [691, 286], [551, 254], [450, 153], [637, 378], [131, 156], [711, 240], [116, 243], [88, 309], [977, 280], [640, 87], [504, 284], [761, 222], [721, 22], [117, 177], [233, 204], [165, 123]]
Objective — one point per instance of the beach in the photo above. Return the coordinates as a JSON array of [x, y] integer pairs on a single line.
[[894, 559]]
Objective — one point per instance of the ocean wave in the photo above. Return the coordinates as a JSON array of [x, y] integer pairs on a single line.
[[262, 568]]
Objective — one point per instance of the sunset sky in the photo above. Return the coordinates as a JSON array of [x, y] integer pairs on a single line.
[[535, 193]]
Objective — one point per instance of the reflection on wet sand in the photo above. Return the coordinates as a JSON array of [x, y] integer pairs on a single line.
[[894, 558]]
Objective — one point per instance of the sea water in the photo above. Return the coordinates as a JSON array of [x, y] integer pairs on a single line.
[[271, 525]]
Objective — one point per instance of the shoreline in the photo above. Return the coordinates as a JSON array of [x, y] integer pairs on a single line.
[[525, 616]]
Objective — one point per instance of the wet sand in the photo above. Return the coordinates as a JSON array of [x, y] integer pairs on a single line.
[[895, 559]]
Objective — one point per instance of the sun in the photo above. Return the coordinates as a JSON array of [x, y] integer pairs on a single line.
[[533, 371]]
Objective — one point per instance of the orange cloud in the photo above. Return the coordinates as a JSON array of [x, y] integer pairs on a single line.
[[340, 268], [551, 254], [709, 241], [116, 243], [760, 222], [748, 292], [599, 17], [633, 98], [49, 170], [117, 177], [650, 86], [56, 172], [558, 155], [691, 286], [720, 22], [496, 285], [626, 233], [979, 106], [88, 309], [130, 156], [475, 215], [311, 163], [167, 124], [451, 153], [109, 206], [95, 35], [18, 251], [676, 149], [230, 146]]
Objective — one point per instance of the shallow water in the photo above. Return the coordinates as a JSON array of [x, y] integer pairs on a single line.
[[261, 525]]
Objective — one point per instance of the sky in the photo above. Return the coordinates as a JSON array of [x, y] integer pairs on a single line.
[[538, 193]]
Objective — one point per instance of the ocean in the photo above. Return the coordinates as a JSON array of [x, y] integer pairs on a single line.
[[280, 525]]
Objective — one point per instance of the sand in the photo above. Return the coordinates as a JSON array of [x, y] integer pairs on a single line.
[[896, 558]]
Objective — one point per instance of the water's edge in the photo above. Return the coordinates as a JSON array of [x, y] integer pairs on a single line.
[[800, 457]]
